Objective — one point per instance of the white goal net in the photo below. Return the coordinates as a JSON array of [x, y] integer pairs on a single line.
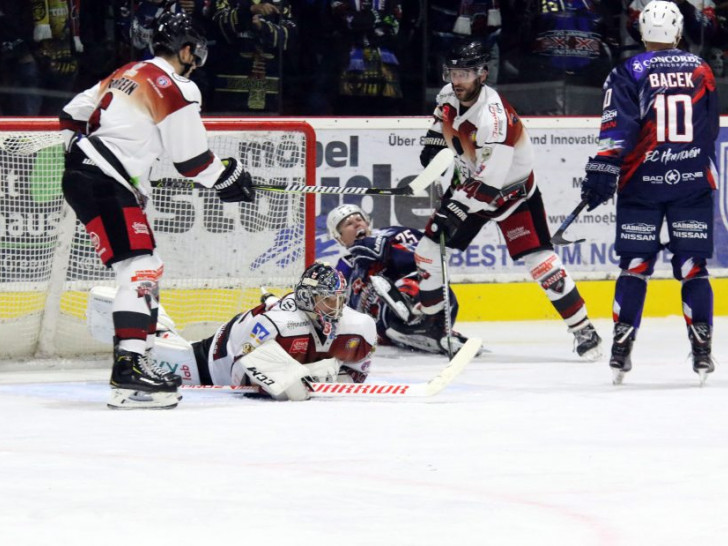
[[216, 255]]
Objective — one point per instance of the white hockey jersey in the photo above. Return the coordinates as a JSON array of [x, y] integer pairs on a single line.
[[352, 344], [491, 146], [139, 112]]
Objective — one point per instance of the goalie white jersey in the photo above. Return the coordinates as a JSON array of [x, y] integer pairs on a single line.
[[351, 344]]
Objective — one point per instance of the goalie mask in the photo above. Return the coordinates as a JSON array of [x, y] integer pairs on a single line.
[[321, 294], [335, 223], [173, 31]]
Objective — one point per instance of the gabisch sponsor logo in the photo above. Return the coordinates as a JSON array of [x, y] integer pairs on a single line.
[[690, 224], [638, 232], [690, 229]]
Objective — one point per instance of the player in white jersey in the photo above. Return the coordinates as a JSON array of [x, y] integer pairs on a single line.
[[114, 132], [494, 165], [279, 346]]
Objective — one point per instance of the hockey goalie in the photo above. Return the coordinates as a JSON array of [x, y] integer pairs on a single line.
[[281, 346]]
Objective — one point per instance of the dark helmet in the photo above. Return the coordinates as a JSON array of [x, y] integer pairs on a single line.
[[321, 281], [470, 55], [173, 31]]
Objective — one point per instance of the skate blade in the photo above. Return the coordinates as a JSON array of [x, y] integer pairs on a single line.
[[593, 354], [702, 376], [617, 376], [132, 399]]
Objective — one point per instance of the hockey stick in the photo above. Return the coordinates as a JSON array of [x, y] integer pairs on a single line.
[[416, 188], [446, 293], [558, 238], [377, 390]]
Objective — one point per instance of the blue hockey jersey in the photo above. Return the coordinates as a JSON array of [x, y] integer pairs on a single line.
[[661, 117], [395, 258]]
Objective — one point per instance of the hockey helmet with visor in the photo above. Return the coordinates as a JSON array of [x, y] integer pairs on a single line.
[[466, 62], [174, 31]]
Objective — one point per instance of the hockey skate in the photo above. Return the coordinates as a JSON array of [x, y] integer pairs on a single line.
[[700, 339], [621, 361], [134, 384], [159, 373], [587, 342]]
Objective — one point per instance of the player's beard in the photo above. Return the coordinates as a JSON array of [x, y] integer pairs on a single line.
[[464, 95]]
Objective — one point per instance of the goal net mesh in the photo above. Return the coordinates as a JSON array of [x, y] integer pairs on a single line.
[[216, 255]]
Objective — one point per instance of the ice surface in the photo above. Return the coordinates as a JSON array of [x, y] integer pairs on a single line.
[[529, 446]]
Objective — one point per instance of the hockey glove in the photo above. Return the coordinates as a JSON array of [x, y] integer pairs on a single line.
[[447, 219], [434, 142], [367, 251], [600, 182], [234, 184]]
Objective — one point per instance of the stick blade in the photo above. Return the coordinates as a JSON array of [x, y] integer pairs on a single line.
[[439, 164], [559, 240], [463, 357]]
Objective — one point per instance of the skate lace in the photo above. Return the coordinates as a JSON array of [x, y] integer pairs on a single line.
[[588, 333], [152, 368]]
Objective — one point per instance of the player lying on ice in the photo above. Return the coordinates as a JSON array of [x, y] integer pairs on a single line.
[[382, 275], [280, 346]]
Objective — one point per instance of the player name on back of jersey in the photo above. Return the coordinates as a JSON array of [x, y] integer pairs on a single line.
[[671, 79], [124, 85]]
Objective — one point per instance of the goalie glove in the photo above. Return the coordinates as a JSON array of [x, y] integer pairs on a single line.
[[234, 184], [600, 182]]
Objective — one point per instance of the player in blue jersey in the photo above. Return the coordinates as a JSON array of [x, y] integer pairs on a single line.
[[382, 276], [657, 150]]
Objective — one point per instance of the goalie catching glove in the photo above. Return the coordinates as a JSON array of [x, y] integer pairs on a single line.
[[600, 182], [234, 184]]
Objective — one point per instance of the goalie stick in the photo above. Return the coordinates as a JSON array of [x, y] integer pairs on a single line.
[[378, 390], [558, 238], [416, 188]]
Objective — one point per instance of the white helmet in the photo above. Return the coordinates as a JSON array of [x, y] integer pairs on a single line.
[[661, 22], [341, 213]]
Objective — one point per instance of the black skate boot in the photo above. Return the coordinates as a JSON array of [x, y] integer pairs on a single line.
[[700, 338], [621, 361], [133, 386], [587, 342]]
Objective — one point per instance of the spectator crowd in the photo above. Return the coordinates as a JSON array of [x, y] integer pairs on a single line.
[[340, 57]]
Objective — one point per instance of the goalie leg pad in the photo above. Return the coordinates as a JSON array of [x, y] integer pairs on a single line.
[[174, 354], [272, 369], [99, 319]]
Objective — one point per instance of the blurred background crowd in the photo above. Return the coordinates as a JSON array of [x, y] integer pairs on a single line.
[[342, 57]]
